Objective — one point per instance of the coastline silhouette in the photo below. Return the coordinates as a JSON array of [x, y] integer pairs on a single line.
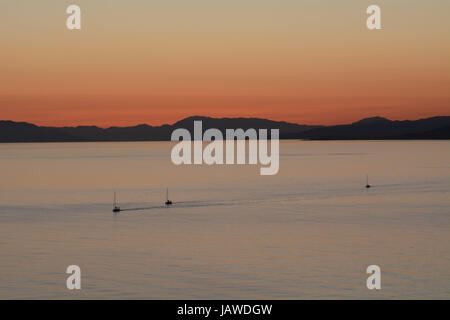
[[366, 129]]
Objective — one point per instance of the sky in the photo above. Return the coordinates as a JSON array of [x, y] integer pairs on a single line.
[[156, 62]]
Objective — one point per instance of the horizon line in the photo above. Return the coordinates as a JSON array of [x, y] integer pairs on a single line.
[[218, 118]]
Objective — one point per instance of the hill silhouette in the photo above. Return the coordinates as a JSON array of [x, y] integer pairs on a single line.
[[381, 128], [365, 129]]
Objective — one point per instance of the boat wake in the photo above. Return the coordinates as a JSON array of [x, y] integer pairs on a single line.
[[186, 204]]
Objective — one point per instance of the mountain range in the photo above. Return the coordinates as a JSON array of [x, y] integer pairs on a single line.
[[366, 129]]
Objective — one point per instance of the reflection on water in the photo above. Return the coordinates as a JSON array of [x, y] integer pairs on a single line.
[[308, 232]]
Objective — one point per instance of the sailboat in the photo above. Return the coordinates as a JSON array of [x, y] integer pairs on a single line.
[[367, 182], [168, 202], [116, 207]]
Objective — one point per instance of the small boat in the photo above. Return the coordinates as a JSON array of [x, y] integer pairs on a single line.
[[116, 207], [168, 202], [367, 182]]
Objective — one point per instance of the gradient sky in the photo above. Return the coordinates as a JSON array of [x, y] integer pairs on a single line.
[[141, 61]]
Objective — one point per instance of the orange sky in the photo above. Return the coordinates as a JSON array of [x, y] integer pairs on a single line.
[[302, 61]]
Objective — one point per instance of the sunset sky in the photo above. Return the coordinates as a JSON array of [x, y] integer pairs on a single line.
[[155, 62]]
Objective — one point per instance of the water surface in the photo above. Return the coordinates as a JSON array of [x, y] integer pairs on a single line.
[[307, 233]]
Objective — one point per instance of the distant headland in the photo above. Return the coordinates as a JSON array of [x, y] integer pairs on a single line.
[[375, 128]]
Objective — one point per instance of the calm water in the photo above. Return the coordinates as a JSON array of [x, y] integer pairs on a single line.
[[309, 232]]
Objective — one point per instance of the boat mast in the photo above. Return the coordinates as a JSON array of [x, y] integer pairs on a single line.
[[367, 181], [115, 199]]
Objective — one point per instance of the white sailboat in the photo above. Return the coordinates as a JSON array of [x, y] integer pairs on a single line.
[[116, 207], [168, 202], [367, 182]]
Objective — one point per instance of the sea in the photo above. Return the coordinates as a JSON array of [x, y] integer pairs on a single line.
[[308, 232]]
